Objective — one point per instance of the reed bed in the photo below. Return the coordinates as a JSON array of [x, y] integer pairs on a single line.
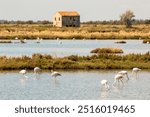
[[88, 31], [107, 51], [101, 61]]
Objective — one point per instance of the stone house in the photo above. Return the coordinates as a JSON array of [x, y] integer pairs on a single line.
[[66, 19]]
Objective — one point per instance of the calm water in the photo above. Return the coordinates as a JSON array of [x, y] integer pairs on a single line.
[[72, 85], [69, 47]]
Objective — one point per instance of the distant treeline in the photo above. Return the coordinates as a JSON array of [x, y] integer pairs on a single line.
[[115, 22], [25, 22]]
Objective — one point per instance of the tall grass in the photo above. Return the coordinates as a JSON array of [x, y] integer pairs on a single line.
[[101, 61], [107, 50], [88, 31]]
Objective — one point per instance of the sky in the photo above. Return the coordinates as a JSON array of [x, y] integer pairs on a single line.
[[89, 10]]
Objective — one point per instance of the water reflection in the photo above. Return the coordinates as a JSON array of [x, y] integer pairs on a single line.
[[56, 81], [104, 94], [23, 80]]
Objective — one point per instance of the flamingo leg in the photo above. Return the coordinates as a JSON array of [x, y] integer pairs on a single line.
[[127, 76], [106, 87], [136, 75], [122, 81]]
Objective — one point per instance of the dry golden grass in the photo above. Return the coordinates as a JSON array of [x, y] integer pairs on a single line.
[[107, 50], [88, 31]]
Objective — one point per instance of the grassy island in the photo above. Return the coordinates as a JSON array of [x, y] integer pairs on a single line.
[[98, 61], [107, 50]]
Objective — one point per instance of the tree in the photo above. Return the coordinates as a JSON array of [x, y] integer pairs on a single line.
[[127, 18]]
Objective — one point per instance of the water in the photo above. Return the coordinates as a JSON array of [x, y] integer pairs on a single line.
[[72, 85], [69, 47]]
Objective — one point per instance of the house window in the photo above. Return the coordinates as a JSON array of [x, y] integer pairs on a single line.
[[74, 19], [55, 18], [59, 18]]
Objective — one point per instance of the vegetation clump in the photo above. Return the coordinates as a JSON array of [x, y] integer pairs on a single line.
[[5, 41], [107, 51], [122, 42], [96, 61]]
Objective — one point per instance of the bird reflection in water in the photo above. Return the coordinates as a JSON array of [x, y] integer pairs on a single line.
[[104, 94]]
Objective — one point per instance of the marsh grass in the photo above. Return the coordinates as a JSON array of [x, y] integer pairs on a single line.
[[101, 61], [5, 41], [107, 50], [87, 31]]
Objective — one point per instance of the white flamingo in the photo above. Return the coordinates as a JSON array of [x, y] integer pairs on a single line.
[[37, 71], [57, 39], [55, 74], [60, 42], [23, 72], [38, 40], [104, 84], [124, 73], [136, 70], [16, 38], [118, 78]]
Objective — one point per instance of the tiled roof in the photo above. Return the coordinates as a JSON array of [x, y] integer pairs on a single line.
[[68, 13]]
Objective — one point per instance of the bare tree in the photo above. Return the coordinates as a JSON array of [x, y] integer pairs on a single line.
[[127, 18]]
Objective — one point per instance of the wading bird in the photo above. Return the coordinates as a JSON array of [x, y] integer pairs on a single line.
[[104, 84], [135, 71], [23, 72], [37, 71], [55, 74], [124, 73], [60, 42], [38, 40], [118, 78]]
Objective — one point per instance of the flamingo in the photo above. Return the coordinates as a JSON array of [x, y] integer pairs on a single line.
[[118, 78], [104, 83], [16, 38], [60, 42], [124, 73], [22, 40], [38, 40], [57, 39], [37, 71], [136, 70], [23, 72], [55, 74]]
